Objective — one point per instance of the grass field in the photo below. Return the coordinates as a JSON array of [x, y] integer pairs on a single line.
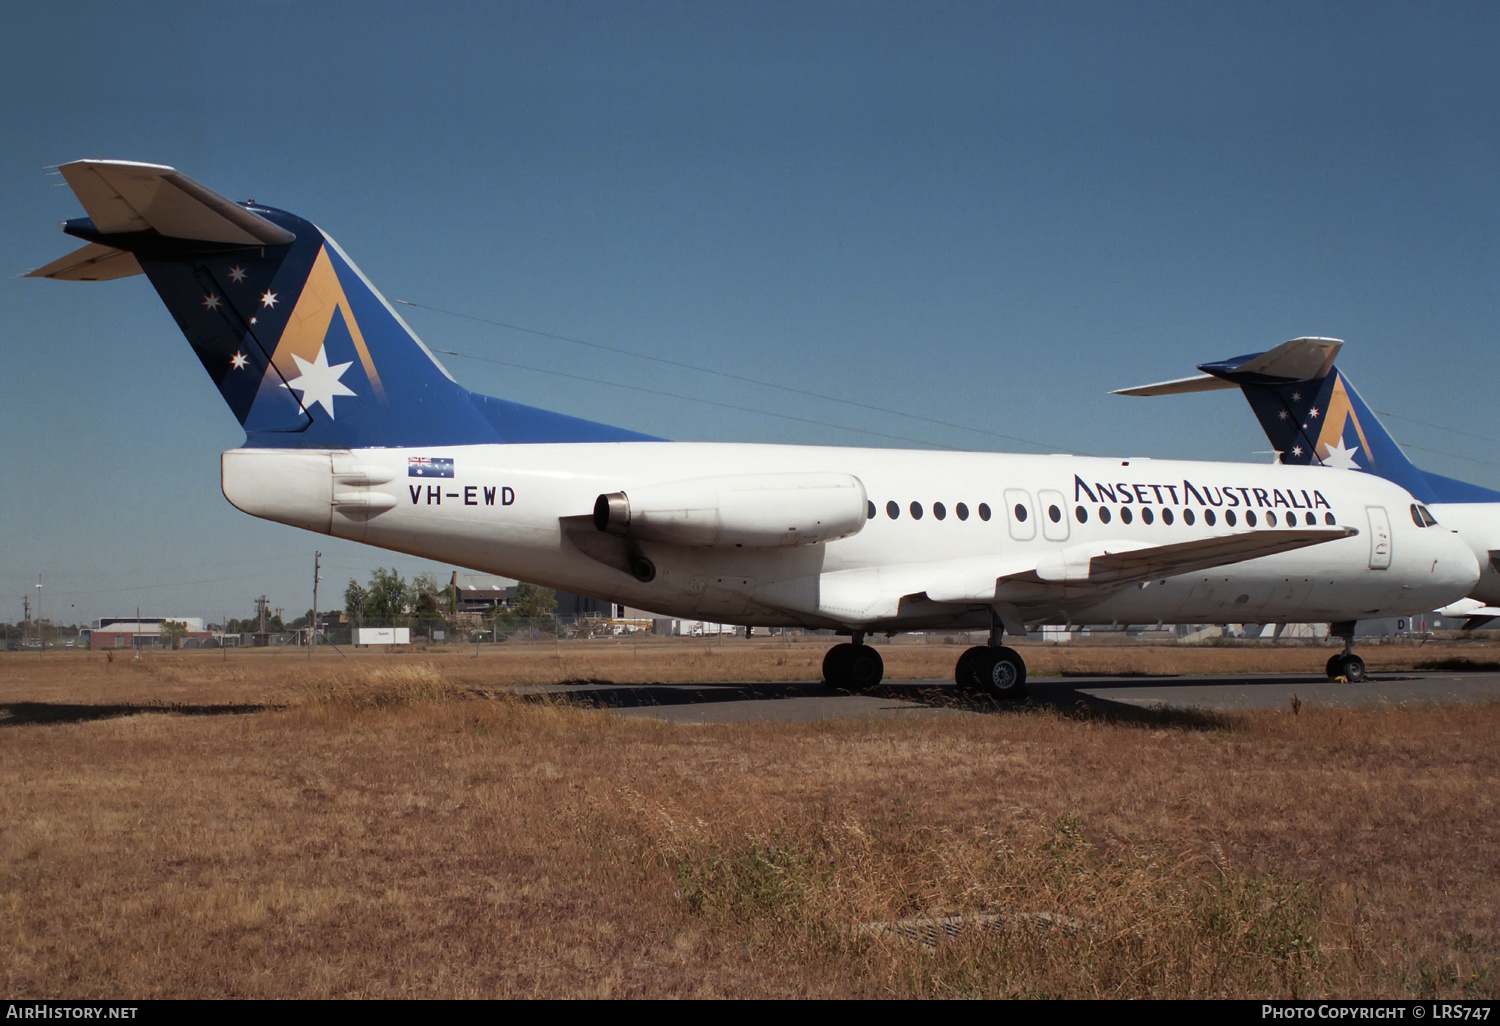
[[409, 825]]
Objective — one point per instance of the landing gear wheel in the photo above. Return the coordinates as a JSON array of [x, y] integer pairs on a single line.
[[1001, 673], [835, 665], [963, 672], [853, 667], [1350, 667], [863, 669]]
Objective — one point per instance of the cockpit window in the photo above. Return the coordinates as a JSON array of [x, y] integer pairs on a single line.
[[1422, 516]]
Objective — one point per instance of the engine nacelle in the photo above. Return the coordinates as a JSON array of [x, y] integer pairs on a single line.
[[740, 510]]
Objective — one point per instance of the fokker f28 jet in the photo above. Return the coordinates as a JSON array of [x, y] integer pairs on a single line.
[[1313, 416], [354, 429]]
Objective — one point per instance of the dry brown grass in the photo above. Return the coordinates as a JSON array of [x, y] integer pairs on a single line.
[[393, 826]]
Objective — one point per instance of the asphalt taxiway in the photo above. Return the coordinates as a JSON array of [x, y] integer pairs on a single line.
[[805, 702]]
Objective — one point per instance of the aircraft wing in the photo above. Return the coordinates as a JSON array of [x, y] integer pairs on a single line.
[[1126, 566], [1082, 574]]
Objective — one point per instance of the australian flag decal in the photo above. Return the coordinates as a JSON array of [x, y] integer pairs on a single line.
[[429, 466]]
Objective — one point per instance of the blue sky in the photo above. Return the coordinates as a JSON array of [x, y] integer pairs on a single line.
[[984, 214]]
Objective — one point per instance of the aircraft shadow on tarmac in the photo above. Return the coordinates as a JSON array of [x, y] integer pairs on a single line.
[[20, 714], [1064, 695]]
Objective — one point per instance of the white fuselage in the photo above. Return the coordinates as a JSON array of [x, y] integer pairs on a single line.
[[1478, 524], [525, 511]]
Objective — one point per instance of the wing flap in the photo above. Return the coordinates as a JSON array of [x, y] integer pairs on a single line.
[[125, 196]]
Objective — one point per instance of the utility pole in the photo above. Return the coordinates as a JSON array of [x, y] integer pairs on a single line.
[[41, 627], [312, 637]]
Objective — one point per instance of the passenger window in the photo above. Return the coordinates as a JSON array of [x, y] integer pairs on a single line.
[[892, 510], [984, 511], [1103, 514], [1125, 514], [1209, 517], [1166, 516], [870, 513], [1229, 517], [1081, 515], [1147, 516], [1250, 518], [1328, 519], [1271, 519], [916, 511], [1187, 517], [939, 510], [962, 511]]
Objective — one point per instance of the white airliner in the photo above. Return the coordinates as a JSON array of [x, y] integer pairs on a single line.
[[1313, 416], [355, 430]]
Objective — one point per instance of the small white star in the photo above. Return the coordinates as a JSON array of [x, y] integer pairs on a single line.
[[210, 302], [1283, 415], [1296, 450], [239, 360], [269, 299], [252, 320], [236, 274], [319, 382], [1296, 397], [1313, 413]]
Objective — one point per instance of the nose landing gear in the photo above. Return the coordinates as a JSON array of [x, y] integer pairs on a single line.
[[1345, 665]]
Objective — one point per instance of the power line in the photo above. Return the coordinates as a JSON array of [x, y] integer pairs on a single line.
[[687, 398], [726, 375]]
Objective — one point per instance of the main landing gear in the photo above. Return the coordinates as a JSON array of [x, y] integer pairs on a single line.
[[1345, 665], [992, 670], [853, 667]]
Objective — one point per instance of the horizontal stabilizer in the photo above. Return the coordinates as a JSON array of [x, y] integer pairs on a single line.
[[123, 196], [1196, 383], [94, 262], [1301, 359]]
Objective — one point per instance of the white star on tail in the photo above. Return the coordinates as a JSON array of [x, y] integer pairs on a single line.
[[236, 274], [269, 299], [239, 360], [318, 382], [1341, 458]]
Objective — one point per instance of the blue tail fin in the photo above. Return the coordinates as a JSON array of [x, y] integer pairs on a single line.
[[302, 347], [1313, 416]]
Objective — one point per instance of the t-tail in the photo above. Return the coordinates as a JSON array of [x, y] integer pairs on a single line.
[[1313, 416], [302, 347]]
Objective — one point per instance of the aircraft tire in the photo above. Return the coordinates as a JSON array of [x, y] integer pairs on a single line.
[[854, 668], [863, 668], [963, 671], [1001, 673], [836, 665], [1349, 667]]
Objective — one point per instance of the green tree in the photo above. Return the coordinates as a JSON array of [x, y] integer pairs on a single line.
[[173, 631], [428, 596], [389, 595], [356, 598], [533, 602]]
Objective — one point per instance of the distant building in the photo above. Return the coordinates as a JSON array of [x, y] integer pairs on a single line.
[[146, 632], [482, 593]]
